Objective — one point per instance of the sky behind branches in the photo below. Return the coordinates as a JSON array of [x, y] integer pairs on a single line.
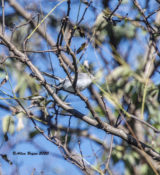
[[54, 159]]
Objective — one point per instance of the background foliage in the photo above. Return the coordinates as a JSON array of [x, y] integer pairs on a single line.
[[113, 126]]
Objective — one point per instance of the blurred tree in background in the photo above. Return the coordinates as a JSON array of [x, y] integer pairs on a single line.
[[113, 126]]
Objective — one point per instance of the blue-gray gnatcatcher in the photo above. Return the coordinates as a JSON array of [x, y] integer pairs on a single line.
[[83, 81]]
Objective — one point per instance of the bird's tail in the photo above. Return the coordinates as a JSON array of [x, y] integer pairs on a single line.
[[53, 76]]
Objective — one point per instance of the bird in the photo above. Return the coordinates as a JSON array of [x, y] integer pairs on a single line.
[[84, 79]]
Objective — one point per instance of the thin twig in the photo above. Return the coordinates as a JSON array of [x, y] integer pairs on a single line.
[[3, 18], [116, 8], [68, 129], [109, 155]]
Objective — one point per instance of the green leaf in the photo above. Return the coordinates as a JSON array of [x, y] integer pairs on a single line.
[[82, 47], [8, 125], [33, 134]]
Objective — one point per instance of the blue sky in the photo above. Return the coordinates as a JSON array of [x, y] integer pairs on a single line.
[[20, 142]]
